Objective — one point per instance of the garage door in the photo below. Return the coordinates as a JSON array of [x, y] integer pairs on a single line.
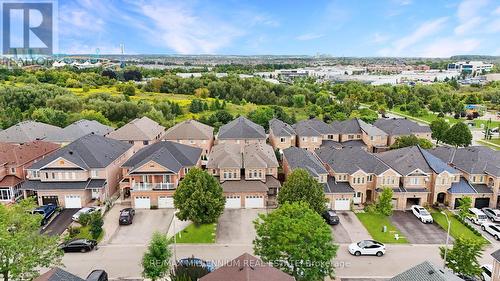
[[50, 200], [142, 202], [165, 202], [254, 201], [342, 204], [233, 202], [482, 203], [72, 202]]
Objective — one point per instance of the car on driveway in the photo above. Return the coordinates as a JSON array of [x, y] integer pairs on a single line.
[[46, 211], [331, 217], [492, 214], [487, 269], [78, 245], [86, 210], [422, 214], [367, 247], [477, 216], [492, 228], [126, 216], [209, 266], [97, 275]]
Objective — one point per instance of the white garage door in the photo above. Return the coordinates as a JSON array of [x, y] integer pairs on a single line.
[[233, 202], [72, 202], [343, 204], [142, 202], [254, 201], [165, 202]]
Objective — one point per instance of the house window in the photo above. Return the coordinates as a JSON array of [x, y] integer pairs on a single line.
[[13, 170], [371, 137], [225, 175], [234, 175], [414, 181], [350, 137], [166, 178], [370, 178], [304, 138], [330, 137], [145, 142], [131, 142], [5, 194], [282, 140], [481, 178], [314, 139], [260, 174], [93, 173], [230, 175], [358, 136], [53, 175], [186, 170]]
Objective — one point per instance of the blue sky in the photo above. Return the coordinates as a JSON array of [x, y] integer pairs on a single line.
[[429, 28]]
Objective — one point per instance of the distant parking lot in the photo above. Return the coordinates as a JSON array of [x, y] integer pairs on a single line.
[[59, 223], [417, 232]]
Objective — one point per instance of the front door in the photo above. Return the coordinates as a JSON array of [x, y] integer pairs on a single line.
[[440, 198], [357, 199]]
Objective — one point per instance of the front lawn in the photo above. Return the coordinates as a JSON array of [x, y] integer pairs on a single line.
[[204, 233], [457, 228], [84, 233], [374, 223]]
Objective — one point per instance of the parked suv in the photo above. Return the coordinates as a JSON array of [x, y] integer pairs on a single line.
[[126, 216], [331, 217], [46, 211], [422, 214], [492, 214], [477, 216]]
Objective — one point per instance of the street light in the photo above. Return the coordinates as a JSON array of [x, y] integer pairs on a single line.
[[447, 238]]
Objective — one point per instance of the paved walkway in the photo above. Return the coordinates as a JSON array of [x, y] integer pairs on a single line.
[[353, 226]]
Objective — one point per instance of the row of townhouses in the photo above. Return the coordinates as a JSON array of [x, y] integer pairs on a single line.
[[145, 162]]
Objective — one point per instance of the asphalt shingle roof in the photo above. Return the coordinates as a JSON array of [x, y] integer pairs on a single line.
[[28, 131], [351, 159], [171, 155], [63, 185], [259, 156], [473, 159], [400, 126], [190, 130], [14, 154], [314, 127], [280, 128], [58, 274], [333, 186], [137, 130], [407, 159], [241, 128], [425, 271], [88, 152], [301, 158], [84, 127], [225, 155], [462, 187]]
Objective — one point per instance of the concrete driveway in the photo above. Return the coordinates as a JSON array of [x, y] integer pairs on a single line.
[[236, 226], [354, 228], [340, 234], [59, 223], [146, 222], [417, 232]]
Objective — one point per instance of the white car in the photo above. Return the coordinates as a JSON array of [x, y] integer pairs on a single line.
[[422, 214], [486, 272], [492, 228], [367, 247], [86, 210]]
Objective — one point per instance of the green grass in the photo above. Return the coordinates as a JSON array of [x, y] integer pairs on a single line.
[[85, 234], [457, 228], [495, 141], [204, 233], [374, 223], [487, 143]]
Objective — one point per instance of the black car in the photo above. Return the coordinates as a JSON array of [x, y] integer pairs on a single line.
[[126, 216], [97, 275], [331, 217], [78, 245]]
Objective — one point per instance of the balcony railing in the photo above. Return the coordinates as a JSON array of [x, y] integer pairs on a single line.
[[153, 186]]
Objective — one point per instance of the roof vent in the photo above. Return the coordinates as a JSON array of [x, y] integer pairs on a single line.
[[431, 271], [70, 152]]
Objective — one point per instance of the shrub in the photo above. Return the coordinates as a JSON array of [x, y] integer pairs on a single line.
[[73, 231], [441, 114], [96, 223], [84, 219], [190, 272]]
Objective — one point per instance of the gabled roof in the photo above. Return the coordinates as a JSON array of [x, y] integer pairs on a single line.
[[313, 127], [84, 127], [351, 159], [369, 129], [333, 186], [12, 154], [88, 152], [259, 155], [280, 128], [137, 130], [171, 155], [462, 187], [241, 128], [190, 130], [473, 159], [425, 271], [58, 274], [339, 145], [303, 159], [400, 126], [225, 155], [28, 131], [247, 268]]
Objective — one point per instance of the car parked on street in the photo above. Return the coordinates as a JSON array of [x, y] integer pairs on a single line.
[[487, 269], [126, 216], [78, 245], [86, 210], [209, 266], [492, 214], [367, 247], [46, 211], [492, 228], [422, 214], [331, 217], [97, 275], [477, 216]]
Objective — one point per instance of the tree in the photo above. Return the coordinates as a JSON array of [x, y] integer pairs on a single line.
[[458, 135], [188, 272], [384, 202], [299, 101], [199, 197], [297, 240], [96, 223], [411, 140], [300, 186], [23, 249], [261, 116], [156, 260], [463, 257], [464, 204], [439, 128], [435, 105]]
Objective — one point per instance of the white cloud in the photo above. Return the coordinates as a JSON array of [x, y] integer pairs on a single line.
[[497, 11], [309, 36], [468, 25], [379, 38], [470, 8], [446, 47]]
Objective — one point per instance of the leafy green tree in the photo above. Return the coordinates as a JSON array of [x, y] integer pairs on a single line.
[[199, 197], [435, 105], [299, 101], [439, 127], [156, 260], [384, 202], [261, 116], [96, 223], [297, 240], [462, 259], [50, 116], [411, 140], [300, 186], [464, 204], [23, 250], [458, 135]]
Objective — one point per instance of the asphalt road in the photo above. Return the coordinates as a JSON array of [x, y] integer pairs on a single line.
[[59, 224]]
